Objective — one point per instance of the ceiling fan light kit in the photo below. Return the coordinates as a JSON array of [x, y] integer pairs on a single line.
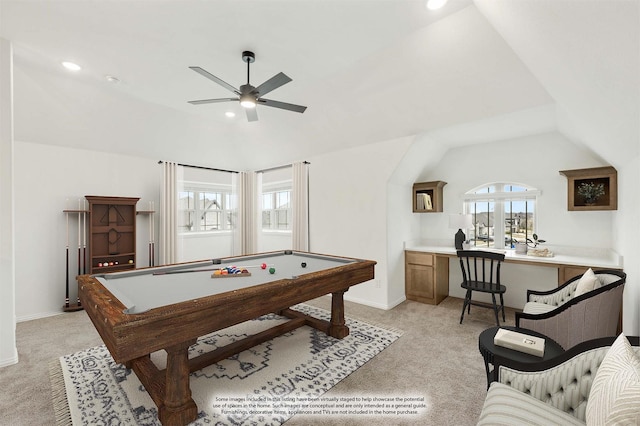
[[248, 95]]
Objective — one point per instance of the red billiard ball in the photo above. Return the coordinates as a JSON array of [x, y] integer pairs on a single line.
[[263, 266]]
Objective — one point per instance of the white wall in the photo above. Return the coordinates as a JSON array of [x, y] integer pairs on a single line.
[[50, 179], [205, 246], [348, 212], [625, 237]]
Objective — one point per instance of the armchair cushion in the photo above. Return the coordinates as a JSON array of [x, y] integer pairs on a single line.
[[615, 392], [505, 405], [537, 308], [586, 283]]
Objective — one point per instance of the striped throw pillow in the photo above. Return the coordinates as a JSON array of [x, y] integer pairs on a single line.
[[614, 398]]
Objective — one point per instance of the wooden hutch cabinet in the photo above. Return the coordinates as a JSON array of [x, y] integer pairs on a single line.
[[112, 233]]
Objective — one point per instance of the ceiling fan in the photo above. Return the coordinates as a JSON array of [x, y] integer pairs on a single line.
[[248, 95]]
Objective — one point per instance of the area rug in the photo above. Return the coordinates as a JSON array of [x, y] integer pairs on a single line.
[[264, 385]]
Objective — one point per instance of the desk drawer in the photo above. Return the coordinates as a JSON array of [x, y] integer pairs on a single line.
[[419, 258]]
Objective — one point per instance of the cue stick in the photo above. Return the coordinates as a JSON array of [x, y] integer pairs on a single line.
[[84, 239], [66, 300], [79, 237], [79, 240], [84, 243], [150, 236], [153, 234]]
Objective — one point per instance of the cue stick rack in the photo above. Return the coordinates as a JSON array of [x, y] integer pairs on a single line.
[[81, 212], [106, 238]]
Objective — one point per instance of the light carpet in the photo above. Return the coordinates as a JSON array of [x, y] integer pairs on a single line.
[[265, 385]]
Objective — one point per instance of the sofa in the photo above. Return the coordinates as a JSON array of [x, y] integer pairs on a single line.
[[594, 383], [584, 308]]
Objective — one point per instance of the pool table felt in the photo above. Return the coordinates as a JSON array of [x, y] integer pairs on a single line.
[[141, 290]]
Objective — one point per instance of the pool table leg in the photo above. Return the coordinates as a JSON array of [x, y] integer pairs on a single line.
[[178, 407], [337, 327]]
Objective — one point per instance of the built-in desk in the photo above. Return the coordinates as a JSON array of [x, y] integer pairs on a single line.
[[427, 266]]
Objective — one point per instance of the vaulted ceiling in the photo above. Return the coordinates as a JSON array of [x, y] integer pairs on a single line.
[[368, 70]]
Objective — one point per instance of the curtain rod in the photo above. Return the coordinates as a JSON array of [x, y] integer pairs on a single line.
[[278, 167], [203, 168]]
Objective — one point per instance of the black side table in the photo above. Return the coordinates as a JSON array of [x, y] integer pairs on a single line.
[[497, 355]]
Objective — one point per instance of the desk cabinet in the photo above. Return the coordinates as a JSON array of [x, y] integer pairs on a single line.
[[566, 272], [426, 277]]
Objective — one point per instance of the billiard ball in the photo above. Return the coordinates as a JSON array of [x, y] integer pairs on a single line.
[[272, 270], [130, 260], [303, 264], [263, 266], [100, 264]]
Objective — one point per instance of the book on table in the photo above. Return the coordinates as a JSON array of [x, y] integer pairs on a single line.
[[531, 345]]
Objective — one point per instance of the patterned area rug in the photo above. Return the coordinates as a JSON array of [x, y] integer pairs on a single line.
[[265, 385]]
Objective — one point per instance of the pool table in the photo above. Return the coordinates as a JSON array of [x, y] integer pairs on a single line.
[[168, 307]]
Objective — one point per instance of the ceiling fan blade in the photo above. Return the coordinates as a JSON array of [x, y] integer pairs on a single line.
[[216, 79], [274, 82], [212, 101], [252, 114], [282, 105]]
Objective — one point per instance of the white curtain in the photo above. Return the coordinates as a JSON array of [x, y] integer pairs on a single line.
[[169, 247], [246, 241], [300, 207]]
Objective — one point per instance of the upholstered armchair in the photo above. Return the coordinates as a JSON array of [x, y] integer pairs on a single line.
[[569, 315], [595, 382]]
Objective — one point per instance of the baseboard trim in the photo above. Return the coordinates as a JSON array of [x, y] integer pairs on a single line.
[[10, 361], [38, 316], [382, 306]]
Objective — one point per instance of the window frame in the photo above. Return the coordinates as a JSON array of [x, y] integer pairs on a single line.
[[273, 189], [499, 198], [227, 211]]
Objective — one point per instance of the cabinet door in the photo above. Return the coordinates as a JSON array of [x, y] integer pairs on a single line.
[[420, 283]]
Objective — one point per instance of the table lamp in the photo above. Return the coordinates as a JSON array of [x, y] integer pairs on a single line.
[[460, 222]]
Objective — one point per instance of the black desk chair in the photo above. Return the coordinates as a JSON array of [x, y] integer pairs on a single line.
[[481, 273]]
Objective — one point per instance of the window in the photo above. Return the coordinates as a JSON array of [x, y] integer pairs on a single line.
[[276, 210], [206, 208], [501, 214]]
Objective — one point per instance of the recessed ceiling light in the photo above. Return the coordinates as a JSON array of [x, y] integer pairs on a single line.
[[230, 114], [435, 4], [71, 66], [112, 79]]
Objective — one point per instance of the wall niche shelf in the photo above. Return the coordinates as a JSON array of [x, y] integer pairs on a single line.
[[605, 178], [427, 196]]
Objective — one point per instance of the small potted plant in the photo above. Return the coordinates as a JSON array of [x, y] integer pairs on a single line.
[[590, 192], [533, 243], [521, 247]]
